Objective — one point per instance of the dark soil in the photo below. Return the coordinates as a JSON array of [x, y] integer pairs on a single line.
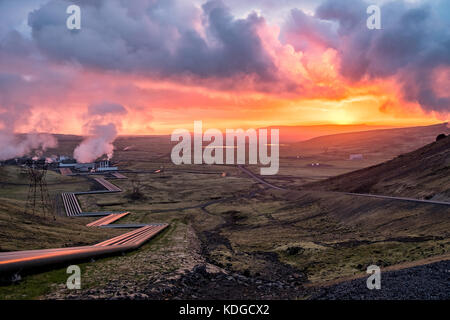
[[427, 282], [199, 284]]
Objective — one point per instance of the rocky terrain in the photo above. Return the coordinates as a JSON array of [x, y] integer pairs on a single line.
[[181, 272], [427, 282]]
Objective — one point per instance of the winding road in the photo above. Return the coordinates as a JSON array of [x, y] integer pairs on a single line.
[[261, 180]]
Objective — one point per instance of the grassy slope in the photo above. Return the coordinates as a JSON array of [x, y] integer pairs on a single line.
[[377, 144], [22, 231], [166, 253], [338, 236], [423, 173]]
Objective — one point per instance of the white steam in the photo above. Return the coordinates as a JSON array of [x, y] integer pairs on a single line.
[[12, 146], [98, 144], [103, 121]]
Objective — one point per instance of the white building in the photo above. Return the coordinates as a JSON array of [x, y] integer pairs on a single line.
[[356, 157], [104, 166]]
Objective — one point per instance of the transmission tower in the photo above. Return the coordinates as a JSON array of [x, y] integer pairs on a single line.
[[38, 197]]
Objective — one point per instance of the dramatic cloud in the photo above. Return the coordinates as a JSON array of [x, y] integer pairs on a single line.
[[163, 38], [305, 32], [414, 43], [12, 114], [170, 39], [171, 61]]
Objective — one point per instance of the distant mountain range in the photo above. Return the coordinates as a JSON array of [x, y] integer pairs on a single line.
[[302, 133]]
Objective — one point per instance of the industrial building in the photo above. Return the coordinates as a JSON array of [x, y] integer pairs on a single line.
[[100, 166]]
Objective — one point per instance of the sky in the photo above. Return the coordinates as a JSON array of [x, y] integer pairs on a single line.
[[151, 66]]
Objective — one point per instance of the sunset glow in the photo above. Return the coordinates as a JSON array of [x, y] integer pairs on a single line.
[[208, 151], [257, 70]]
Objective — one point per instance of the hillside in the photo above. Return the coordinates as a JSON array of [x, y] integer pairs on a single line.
[[292, 134], [374, 144], [423, 173]]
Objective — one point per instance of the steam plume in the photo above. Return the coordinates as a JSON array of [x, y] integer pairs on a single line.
[[98, 144], [103, 121], [12, 146]]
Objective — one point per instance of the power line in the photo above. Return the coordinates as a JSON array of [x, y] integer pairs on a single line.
[[38, 198]]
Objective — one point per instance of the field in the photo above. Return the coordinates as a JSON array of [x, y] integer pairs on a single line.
[[283, 242], [24, 231]]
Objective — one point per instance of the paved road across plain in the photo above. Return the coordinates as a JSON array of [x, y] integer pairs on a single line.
[[261, 180]]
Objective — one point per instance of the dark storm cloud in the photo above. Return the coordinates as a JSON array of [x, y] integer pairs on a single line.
[[9, 83], [199, 45], [155, 37], [303, 31], [413, 43]]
